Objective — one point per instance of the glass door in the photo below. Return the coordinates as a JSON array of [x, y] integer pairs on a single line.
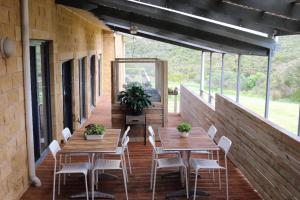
[[92, 80], [82, 89], [40, 88]]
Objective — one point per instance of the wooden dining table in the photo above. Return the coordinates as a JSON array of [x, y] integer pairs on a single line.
[[78, 144], [197, 140]]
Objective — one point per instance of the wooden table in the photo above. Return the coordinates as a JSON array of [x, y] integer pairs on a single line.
[[78, 144], [197, 140]]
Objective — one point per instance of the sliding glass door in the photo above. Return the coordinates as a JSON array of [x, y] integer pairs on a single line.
[[82, 90], [40, 88]]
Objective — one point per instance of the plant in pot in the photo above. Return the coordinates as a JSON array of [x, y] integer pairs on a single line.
[[184, 129], [94, 132], [135, 98]]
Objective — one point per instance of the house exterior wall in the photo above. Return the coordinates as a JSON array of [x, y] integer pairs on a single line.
[[72, 34]]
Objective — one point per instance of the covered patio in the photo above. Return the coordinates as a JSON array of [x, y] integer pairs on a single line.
[[64, 68], [139, 180]]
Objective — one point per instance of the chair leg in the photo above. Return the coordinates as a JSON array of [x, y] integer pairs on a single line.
[[218, 158], [227, 196], [186, 182], [129, 162], [154, 181], [86, 187], [213, 171], [93, 183], [65, 163], [123, 160], [125, 180], [151, 175], [195, 188], [53, 195], [58, 190]]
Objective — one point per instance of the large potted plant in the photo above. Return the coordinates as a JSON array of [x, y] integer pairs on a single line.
[[94, 132], [135, 98]]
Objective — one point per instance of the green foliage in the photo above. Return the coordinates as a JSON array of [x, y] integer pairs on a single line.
[[184, 127], [135, 98], [94, 129]]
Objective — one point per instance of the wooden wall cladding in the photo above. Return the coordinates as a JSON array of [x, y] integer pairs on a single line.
[[266, 154], [194, 110]]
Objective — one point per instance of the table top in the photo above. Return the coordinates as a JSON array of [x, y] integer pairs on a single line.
[[197, 140], [78, 143]]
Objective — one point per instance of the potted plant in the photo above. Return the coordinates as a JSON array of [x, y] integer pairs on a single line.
[[94, 132], [184, 129], [135, 98]]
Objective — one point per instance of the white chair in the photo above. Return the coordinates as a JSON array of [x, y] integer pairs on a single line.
[[197, 164], [105, 164], [175, 162], [157, 151], [67, 135], [67, 168], [212, 131], [120, 151]]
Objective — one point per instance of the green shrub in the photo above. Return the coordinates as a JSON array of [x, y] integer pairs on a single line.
[[94, 129], [184, 127]]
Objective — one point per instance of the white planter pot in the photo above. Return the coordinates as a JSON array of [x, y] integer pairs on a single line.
[[184, 134], [94, 137]]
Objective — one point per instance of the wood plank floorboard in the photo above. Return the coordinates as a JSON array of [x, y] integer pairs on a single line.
[[138, 186]]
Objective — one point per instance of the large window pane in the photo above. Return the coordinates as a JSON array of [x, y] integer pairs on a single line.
[[285, 84], [230, 73], [253, 83]]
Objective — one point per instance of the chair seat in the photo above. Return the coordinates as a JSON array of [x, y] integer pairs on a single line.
[[170, 162], [107, 164], [159, 150], [119, 151], [201, 152], [75, 168], [205, 164]]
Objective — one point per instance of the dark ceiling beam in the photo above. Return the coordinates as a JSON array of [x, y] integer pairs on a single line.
[[175, 18], [204, 40], [154, 36], [233, 14], [279, 7], [157, 34]]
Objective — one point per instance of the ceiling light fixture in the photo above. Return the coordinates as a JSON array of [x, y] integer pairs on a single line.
[[133, 30]]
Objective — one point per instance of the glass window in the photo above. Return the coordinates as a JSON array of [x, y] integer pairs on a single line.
[[230, 75], [253, 83], [285, 84]]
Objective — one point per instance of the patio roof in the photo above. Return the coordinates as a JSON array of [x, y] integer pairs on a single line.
[[177, 28]]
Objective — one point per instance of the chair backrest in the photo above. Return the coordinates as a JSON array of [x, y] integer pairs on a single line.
[[152, 142], [125, 142], [212, 131], [224, 144], [150, 129], [125, 134], [66, 134], [54, 148]]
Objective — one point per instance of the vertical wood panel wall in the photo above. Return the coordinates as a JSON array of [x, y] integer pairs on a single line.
[[266, 154]]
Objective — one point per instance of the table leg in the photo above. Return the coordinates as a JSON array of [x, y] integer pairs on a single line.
[[182, 193], [97, 194]]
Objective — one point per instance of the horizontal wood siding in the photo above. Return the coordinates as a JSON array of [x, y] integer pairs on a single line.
[[266, 154]]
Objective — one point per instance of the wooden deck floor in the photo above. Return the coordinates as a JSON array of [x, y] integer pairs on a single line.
[[138, 187]]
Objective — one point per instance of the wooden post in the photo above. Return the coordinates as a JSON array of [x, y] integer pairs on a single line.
[[238, 81]]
